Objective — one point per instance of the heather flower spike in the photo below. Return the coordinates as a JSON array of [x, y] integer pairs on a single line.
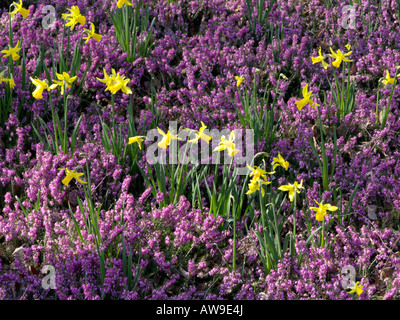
[[167, 137], [18, 8], [138, 140], [339, 56], [228, 144], [40, 86], [71, 174], [64, 80], [321, 210], [201, 135], [91, 34], [120, 3], [292, 188], [12, 52], [73, 17], [279, 162], [356, 289], [320, 58], [306, 99]]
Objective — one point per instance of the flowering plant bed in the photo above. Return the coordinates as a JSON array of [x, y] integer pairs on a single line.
[[203, 149]]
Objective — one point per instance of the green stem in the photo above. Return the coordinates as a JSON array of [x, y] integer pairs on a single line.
[[54, 123], [338, 96], [377, 107], [234, 241], [65, 142]]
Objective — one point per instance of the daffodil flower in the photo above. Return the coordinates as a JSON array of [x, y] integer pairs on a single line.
[[73, 17], [12, 52], [321, 210], [228, 144], [91, 34], [258, 173], [306, 99], [107, 79], [137, 139], [40, 86], [348, 47], [18, 8], [292, 188], [120, 3], [339, 56], [239, 80], [279, 162], [167, 137], [320, 58], [71, 174], [10, 80], [356, 288], [388, 79], [64, 80], [201, 135], [256, 184], [120, 84], [115, 82]]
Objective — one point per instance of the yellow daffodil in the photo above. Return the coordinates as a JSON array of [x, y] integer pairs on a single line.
[[228, 144], [320, 58], [321, 210], [120, 84], [138, 140], [12, 52], [64, 80], [348, 47], [258, 173], [279, 162], [9, 80], [18, 8], [306, 99], [339, 56], [388, 79], [91, 34], [71, 174], [256, 184], [201, 135], [120, 3], [167, 137], [73, 17], [40, 86], [239, 80], [107, 79], [115, 82], [292, 188], [356, 288]]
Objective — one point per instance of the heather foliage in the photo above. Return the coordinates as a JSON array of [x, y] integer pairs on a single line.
[[80, 94]]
